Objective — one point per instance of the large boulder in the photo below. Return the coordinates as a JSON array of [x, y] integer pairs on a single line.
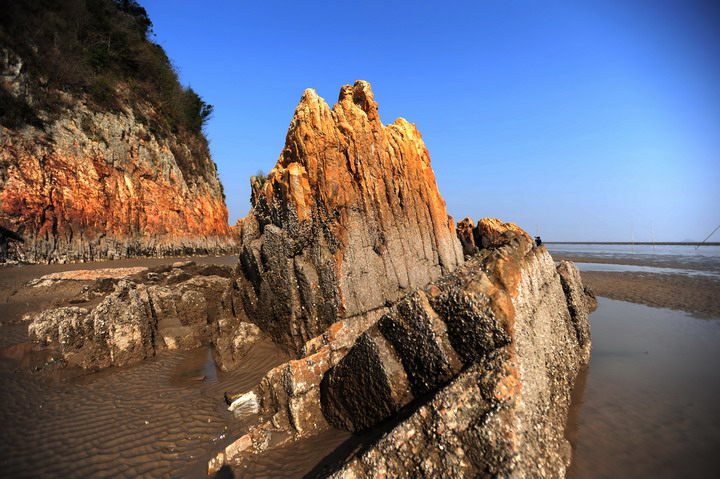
[[349, 219]]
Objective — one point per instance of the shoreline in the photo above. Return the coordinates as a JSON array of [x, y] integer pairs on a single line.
[[178, 402], [697, 295], [655, 261]]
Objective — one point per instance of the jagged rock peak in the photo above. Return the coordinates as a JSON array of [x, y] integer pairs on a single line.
[[350, 213]]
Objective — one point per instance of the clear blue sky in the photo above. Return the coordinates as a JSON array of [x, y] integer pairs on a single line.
[[585, 117]]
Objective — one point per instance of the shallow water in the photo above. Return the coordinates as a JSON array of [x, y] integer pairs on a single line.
[[705, 258], [648, 405], [631, 268]]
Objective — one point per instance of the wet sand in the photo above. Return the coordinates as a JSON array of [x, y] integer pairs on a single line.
[[695, 294], [16, 299], [160, 418], [647, 406], [164, 417], [673, 286], [669, 261]]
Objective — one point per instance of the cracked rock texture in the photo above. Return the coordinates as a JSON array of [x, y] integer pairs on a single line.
[[349, 219], [479, 366], [180, 308], [92, 185]]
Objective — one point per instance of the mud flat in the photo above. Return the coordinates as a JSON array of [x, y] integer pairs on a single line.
[[680, 278], [160, 418], [699, 295], [647, 404]]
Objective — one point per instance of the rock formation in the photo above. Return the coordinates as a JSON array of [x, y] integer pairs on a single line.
[[489, 233], [98, 185], [469, 374], [446, 365], [165, 308], [466, 235], [349, 219], [490, 352], [82, 182]]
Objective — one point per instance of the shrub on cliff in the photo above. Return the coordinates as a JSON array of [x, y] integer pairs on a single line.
[[98, 50]]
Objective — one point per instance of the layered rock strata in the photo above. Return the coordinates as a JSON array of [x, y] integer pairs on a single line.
[[90, 185], [349, 219], [482, 362]]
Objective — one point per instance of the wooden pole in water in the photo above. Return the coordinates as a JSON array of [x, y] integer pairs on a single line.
[[632, 236], [708, 237], [652, 230]]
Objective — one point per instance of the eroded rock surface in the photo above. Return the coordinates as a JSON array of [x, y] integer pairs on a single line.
[[466, 235], [175, 308], [91, 185], [482, 362], [470, 375], [348, 220]]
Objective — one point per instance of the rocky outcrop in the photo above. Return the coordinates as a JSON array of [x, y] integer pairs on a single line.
[[470, 375], [481, 364], [466, 235], [493, 233], [86, 184], [489, 233], [180, 308], [349, 219]]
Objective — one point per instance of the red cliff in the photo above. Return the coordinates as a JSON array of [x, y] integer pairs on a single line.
[[90, 184]]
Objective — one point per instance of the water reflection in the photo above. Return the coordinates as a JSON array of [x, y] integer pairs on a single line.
[[647, 405]]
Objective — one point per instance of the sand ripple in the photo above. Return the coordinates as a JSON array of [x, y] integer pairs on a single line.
[[156, 419]]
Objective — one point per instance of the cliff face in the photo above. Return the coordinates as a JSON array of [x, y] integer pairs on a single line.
[[102, 153], [349, 219], [97, 185]]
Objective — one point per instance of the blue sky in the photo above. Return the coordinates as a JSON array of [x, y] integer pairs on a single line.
[[585, 118]]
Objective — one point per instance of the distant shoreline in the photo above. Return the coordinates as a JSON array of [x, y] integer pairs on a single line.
[[628, 243]]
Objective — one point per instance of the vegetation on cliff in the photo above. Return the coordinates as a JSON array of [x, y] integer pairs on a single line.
[[101, 52], [102, 151]]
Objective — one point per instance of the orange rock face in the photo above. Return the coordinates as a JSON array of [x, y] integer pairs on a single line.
[[490, 232], [349, 218], [97, 185]]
